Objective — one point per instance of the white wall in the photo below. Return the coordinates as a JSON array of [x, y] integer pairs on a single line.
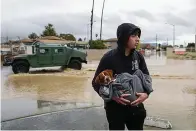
[[180, 49], [112, 44], [5, 49]]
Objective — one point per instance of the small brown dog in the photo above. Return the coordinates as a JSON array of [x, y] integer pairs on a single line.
[[105, 77]]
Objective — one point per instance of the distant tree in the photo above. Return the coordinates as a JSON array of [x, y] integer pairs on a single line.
[[80, 39], [33, 36], [68, 37], [96, 35], [85, 39], [181, 46], [49, 31], [191, 45], [159, 46]]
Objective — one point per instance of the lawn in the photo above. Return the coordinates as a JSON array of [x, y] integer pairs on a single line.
[[187, 55]]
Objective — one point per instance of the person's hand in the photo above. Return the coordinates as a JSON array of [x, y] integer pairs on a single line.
[[141, 98], [121, 99]]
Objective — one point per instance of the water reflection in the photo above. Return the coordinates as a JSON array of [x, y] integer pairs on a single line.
[[46, 86], [155, 54], [23, 107], [54, 105]]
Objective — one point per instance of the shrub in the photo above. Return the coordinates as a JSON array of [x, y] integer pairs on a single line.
[[97, 44]]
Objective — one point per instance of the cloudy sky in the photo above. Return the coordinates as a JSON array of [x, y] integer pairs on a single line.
[[21, 17]]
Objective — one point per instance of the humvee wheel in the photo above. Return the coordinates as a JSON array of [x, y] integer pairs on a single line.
[[75, 64], [20, 67]]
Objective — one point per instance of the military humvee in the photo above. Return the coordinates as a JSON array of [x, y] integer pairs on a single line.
[[44, 55]]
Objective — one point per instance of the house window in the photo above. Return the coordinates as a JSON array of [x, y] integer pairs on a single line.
[[58, 51], [43, 51]]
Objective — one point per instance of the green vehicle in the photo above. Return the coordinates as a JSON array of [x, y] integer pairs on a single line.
[[44, 55]]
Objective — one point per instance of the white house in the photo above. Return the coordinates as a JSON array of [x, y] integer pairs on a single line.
[[179, 51]]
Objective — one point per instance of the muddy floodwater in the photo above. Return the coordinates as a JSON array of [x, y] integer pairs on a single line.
[[174, 96]]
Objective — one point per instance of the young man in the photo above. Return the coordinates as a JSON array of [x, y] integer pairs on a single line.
[[124, 58]]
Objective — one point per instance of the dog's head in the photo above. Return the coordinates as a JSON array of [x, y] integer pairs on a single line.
[[105, 77]]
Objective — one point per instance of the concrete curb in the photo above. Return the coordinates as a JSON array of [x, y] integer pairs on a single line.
[[157, 122]]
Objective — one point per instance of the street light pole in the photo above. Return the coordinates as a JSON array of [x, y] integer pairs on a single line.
[[173, 33], [102, 19]]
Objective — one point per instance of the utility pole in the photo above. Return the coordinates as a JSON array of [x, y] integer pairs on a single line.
[[7, 39], [92, 22], [173, 35], [156, 41], [102, 19], [195, 39], [87, 31]]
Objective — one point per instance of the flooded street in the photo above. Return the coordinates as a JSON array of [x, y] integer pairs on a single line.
[[174, 96], [30, 94]]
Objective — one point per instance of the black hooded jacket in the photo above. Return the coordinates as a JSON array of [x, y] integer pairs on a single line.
[[117, 61]]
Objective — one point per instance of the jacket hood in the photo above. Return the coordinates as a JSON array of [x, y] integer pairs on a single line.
[[123, 32]]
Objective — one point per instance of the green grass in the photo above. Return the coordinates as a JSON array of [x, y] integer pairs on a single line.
[[187, 55]]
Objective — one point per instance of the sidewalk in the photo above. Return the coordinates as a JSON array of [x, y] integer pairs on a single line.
[[77, 119]]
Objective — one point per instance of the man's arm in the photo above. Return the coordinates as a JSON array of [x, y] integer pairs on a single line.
[[142, 64], [103, 65], [144, 69]]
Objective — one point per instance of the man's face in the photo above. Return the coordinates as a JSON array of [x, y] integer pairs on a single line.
[[133, 41]]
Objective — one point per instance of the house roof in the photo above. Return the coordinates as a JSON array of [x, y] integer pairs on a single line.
[[111, 40], [50, 38], [53, 41]]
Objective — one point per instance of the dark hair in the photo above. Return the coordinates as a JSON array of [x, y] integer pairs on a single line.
[[136, 32]]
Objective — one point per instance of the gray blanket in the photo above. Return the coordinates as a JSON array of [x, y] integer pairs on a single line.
[[126, 83]]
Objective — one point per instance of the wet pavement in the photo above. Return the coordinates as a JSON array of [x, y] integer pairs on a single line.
[[80, 119], [174, 97], [22, 107]]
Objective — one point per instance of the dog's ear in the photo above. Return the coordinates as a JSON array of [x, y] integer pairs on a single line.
[[110, 73], [99, 79]]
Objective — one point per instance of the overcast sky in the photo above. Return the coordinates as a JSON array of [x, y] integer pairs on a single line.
[[21, 17]]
